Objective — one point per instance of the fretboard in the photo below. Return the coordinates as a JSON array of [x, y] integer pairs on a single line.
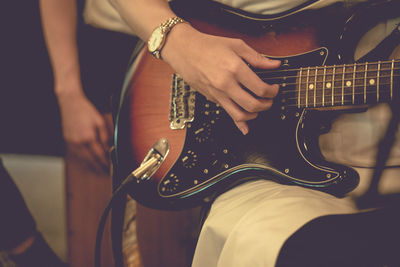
[[348, 84]]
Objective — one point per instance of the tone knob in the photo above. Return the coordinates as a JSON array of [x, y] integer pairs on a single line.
[[170, 184]]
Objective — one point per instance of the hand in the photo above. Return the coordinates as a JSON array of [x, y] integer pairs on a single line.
[[216, 67], [84, 128]]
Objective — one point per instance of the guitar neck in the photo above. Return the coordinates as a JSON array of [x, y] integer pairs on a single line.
[[343, 85]]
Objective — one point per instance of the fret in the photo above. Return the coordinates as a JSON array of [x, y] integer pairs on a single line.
[[333, 84], [323, 87], [354, 81], [384, 81], [300, 74], [344, 70], [391, 80], [377, 81], [315, 83], [307, 85], [358, 83], [365, 83]]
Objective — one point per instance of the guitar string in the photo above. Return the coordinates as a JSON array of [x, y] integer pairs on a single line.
[[370, 92], [335, 82], [365, 89], [312, 75], [338, 67], [338, 88], [329, 105], [372, 96]]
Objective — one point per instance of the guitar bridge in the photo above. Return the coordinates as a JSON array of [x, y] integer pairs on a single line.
[[182, 105]]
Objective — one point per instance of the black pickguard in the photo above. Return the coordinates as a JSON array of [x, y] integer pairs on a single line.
[[282, 145]]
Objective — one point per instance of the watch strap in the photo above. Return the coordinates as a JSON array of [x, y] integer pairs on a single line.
[[166, 27]]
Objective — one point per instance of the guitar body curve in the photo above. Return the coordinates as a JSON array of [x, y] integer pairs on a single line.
[[208, 154]]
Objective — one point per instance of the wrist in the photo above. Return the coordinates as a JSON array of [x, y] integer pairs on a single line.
[[67, 78], [160, 35], [177, 39], [71, 87]]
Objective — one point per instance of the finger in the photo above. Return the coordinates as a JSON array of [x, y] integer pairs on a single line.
[[249, 79], [254, 58], [78, 150], [236, 112], [238, 115], [99, 154], [84, 153], [255, 84], [103, 134], [242, 126], [244, 99], [110, 127]]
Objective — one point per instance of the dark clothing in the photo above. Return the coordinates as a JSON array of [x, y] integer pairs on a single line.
[[363, 239], [16, 222], [104, 56]]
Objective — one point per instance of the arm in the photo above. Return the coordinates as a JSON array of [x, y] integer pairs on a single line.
[[217, 72], [83, 126]]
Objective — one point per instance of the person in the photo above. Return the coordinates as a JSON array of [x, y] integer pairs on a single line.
[[89, 51], [261, 222], [20, 240]]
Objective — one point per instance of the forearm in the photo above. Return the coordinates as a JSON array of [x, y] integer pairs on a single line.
[[59, 20]]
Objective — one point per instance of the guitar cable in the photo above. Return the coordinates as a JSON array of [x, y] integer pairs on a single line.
[[121, 191], [147, 168]]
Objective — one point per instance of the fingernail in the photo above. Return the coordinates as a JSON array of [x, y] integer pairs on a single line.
[[244, 130], [275, 61]]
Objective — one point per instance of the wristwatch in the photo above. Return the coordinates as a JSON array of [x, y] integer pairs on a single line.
[[158, 37]]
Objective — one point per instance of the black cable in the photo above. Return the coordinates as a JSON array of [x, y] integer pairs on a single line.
[[372, 198], [119, 192]]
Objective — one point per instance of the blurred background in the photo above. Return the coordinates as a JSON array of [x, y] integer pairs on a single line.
[[31, 142]]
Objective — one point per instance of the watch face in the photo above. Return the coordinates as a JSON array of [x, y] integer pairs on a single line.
[[156, 39]]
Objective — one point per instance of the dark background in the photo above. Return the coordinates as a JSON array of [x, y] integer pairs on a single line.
[[29, 115]]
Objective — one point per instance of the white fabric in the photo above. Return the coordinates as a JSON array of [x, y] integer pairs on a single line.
[[101, 14], [248, 225], [263, 7], [272, 7]]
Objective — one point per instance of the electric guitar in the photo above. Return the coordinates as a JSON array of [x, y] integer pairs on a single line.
[[207, 152]]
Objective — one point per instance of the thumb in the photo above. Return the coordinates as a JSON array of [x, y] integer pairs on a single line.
[[103, 134]]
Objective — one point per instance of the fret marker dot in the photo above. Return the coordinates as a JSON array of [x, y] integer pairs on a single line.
[[371, 81], [348, 83], [328, 85], [311, 86]]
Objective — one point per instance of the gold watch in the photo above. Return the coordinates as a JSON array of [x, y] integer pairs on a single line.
[[158, 37]]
